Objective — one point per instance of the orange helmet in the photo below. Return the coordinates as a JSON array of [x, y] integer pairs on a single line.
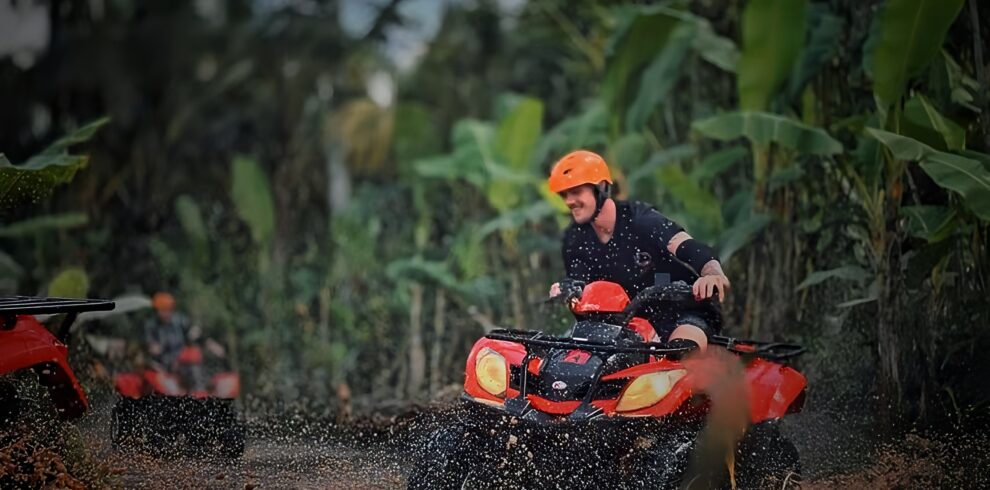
[[578, 168], [163, 301]]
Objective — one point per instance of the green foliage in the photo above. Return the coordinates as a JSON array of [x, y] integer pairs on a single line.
[[657, 160], [762, 129], [950, 136], [32, 226], [34, 180], [718, 163], [252, 197], [191, 220], [416, 134], [907, 35], [966, 176], [701, 204], [772, 41], [849, 273], [70, 283], [641, 34], [932, 223], [660, 76], [824, 35]]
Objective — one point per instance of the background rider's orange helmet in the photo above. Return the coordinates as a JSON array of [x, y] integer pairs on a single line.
[[163, 301], [578, 168]]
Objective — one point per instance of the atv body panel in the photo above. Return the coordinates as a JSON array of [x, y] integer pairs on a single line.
[[27, 344]]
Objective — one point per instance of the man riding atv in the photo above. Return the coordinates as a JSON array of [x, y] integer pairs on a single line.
[[629, 243], [167, 335]]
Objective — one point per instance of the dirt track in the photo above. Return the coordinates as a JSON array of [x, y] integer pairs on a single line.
[[835, 454]]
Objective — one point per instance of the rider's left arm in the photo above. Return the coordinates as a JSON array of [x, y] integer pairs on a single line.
[[711, 276]]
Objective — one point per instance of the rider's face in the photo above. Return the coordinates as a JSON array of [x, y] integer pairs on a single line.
[[581, 201]]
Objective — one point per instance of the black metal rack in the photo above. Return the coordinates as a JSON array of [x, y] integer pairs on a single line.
[[11, 306], [775, 351]]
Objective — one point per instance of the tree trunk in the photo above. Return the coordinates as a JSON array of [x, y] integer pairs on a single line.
[[436, 350], [417, 354]]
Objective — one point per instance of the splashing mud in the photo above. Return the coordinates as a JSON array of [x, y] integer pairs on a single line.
[[293, 449]]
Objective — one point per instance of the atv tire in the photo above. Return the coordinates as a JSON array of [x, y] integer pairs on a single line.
[[165, 425], [767, 459], [447, 459]]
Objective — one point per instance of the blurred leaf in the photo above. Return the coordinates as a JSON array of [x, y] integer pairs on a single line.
[[658, 159], [450, 167], [697, 202], [641, 34], [35, 179], [921, 263], [516, 218], [416, 135], [717, 50], [857, 302], [626, 153], [762, 128], [908, 34], [8, 266], [849, 273], [933, 223], [468, 252], [519, 132], [966, 176], [191, 220], [921, 112], [253, 198], [824, 34], [714, 164], [660, 76], [588, 129], [773, 35], [70, 283], [740, 234], [40, 224], [781, 177], [123, 304]]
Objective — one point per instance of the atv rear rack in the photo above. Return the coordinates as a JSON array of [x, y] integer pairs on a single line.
[[774, 351], [11, 306]]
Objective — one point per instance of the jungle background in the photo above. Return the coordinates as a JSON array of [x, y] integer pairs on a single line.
[[351, 193]]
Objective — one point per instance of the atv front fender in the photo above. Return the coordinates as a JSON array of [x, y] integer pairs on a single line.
[[29, 345]]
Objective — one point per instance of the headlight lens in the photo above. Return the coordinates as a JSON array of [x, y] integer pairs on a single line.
[[492, 372], [648, 389]]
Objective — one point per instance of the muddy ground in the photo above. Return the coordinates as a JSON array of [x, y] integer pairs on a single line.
[[287, 451]]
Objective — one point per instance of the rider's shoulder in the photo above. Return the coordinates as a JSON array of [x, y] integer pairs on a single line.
[[646, 216]]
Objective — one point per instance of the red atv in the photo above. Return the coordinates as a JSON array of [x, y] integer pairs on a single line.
[[605, 407], [166, 412], [26, 345]]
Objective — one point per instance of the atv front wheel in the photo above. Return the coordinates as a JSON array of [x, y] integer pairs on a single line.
[[767, 459], [447, 459]]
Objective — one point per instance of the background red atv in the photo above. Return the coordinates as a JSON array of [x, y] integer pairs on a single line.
[[27, 346], [164, 412], [602, 406]]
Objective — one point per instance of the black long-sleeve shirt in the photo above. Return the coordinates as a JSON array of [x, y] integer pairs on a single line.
[[636, 251]]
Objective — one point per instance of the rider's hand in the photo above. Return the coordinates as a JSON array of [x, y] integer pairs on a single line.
[[706, 286], [687, 345]]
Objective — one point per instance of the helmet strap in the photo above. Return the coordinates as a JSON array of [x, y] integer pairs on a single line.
[[603, 191]]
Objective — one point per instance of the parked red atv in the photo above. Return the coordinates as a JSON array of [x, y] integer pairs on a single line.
[[604, 407], [26, 345], [165, 412]]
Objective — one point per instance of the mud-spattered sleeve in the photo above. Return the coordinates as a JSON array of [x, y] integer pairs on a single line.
[[649, 223]]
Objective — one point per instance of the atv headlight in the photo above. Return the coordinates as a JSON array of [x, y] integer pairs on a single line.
[[648, 389], [492, 371]]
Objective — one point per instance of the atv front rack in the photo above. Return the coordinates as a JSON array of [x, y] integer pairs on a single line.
[[11, 306], [774, 351]]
